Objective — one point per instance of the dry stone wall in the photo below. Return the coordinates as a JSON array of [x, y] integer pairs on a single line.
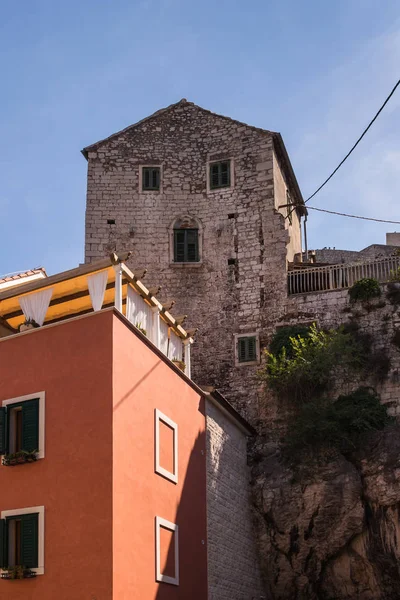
[[233, 564]]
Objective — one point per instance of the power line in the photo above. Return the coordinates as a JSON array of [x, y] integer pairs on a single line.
[[332, 212], [353, 148]]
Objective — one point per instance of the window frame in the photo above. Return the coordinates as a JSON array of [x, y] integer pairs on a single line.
[[160, 522], [159, 416], [153, 190], [256, 361], [42, 404], [39, 510], [210, 164]]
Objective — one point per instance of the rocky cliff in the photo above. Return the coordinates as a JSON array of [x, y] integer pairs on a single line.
[[331, 532], [330, 529]]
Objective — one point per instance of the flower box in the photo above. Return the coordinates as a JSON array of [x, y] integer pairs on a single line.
[[19, 458], [18, 572]]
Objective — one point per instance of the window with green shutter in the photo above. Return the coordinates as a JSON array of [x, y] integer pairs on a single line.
[[186, 245], [247, 349], [220, 174], [150, 178], [19, 427], [19, 541]]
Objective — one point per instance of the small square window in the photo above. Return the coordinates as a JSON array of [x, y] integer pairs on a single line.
[[151, 178], [220, 174], [247, 349], [22, 542]]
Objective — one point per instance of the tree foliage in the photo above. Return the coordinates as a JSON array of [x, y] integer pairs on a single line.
[[306, 370], [365, 289], [339, 424]]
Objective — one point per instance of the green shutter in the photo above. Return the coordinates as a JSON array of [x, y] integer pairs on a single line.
[[225, 174], [192, 236], [3, 547], [251, 349], [151, 178], [179, 245], [214, 176], [3, 430], [30, 425], [29, 541], [247, 349]]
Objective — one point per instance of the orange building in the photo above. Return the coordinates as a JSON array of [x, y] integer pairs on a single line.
[[103, 473]]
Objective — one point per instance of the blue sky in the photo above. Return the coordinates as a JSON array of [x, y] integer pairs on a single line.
[[74, 72]]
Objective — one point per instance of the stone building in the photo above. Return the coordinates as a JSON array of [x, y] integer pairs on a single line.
[[204, 202]]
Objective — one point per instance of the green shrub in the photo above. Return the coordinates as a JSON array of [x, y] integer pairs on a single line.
[[365, 289], [338, 425], [395, 275], [306, 370], [282, 338]]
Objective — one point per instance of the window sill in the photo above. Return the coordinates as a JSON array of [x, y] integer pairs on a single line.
[[220, 189], [252, 363], [186, 265]]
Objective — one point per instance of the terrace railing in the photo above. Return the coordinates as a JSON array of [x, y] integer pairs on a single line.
[[337, 277]]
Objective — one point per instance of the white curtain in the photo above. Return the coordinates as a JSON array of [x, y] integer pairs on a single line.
[[138, 311], [175, 346], [34, 306], [164, 337], [97, 284]]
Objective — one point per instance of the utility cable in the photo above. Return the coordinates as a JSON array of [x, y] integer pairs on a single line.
[[353, 148], [332, 212]]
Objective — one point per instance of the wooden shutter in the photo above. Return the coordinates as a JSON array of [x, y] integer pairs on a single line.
[[30, 425], [179, 245], [251, 349], [247, 349], [3, 430], [155, 179], [225, 174], [242, 349], [146, 179], [192, 236], [30, 540], [214, 175], [3, 546]]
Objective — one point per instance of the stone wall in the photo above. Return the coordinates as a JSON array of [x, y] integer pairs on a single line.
[[335, 257], [233, 566], [240, 284]]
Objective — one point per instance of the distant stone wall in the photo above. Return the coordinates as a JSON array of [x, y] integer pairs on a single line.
[[233, 564], [335, 257]]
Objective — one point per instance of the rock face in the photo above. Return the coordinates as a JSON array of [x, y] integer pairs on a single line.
[[332, 533]]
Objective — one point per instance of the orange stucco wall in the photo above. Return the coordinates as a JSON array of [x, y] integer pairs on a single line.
[[142, 382], [71, 362]]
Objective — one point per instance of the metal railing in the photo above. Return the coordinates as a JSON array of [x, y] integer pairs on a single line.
[[337, 277]]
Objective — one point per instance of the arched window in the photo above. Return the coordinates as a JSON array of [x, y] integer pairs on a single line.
[[186, 240]]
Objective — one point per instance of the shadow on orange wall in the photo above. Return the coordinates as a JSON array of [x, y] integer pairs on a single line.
[[191, 533]]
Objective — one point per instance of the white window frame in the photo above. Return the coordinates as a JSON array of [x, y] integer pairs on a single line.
[[160, 522], [28, 511], [159, 416], [42, 406], [237, 337]]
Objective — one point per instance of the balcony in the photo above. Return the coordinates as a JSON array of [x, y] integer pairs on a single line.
[[308, 279], [90, 288]]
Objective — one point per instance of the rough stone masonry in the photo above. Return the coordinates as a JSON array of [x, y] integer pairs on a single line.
[[239, 284]]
